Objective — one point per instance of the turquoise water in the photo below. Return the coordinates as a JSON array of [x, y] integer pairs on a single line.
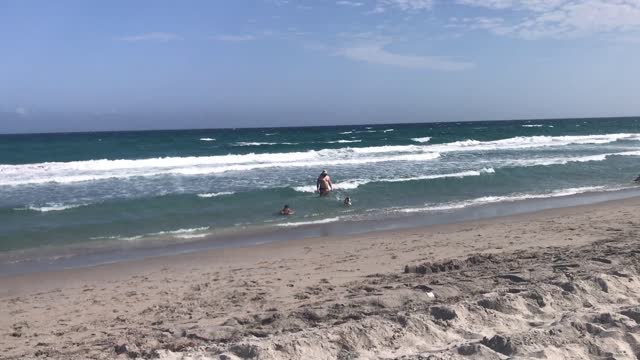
[[90, 188]]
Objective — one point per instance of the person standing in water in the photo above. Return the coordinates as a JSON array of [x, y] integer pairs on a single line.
[[323, 184]]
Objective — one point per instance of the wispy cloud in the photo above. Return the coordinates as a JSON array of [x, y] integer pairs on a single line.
[[377, 54], [22, 111], [404, 5], [236, 38], [152, 36], [536, 19], [350, 3]]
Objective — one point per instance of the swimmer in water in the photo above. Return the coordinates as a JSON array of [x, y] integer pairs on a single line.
[[347, 201], [286, 210]]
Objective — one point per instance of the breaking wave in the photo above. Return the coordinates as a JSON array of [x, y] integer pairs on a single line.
[[355, 183], [93, 170], [50, 207], [343, 141], [508, 198], [314, 222], [422, 139], [210, 195], [262, 143]]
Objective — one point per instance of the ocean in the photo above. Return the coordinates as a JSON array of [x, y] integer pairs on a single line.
[[105, 190]]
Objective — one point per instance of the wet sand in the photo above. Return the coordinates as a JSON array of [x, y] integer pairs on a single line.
[[560, 283]]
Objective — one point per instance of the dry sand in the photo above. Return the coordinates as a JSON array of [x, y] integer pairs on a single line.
[[558, 284]]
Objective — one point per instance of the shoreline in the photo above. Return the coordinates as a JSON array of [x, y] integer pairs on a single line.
[[39, 260], [222, 254], [207, 304], [250, 253], [281, 299]]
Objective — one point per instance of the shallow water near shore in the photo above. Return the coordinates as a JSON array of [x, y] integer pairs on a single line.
[[133, 194]]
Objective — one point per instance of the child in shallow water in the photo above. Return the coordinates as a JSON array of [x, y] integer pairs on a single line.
[[347, 201], [286, 210]]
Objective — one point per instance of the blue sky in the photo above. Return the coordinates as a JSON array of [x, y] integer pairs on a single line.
[[69, 65]]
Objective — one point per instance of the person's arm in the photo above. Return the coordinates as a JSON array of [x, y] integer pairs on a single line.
[[318, 185]]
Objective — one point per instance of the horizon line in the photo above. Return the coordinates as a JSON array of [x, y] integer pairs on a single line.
[[316, 126]]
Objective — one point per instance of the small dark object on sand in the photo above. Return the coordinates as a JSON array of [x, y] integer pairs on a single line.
[[500, 344]]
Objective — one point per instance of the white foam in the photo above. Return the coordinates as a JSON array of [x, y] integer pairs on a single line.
[[528, 142], [508, 198], [355, 183], [180, 233], [262, 143], [388, 130], [191, 236], [555, 161], [343, 141], [210, 195], [532, 126], [346, 132], [207, 139], [422, 139], [628, 153], [51, 207], [315, 222], [566, 160], [93, 170]]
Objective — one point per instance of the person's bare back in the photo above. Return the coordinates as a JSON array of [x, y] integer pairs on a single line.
[[323, 184]]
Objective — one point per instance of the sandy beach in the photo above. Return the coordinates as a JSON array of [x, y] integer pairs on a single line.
[[557, 284]]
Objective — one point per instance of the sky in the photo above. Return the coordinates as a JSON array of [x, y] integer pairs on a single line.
[[75, 65]]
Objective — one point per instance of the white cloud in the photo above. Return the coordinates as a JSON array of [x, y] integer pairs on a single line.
[[491, 4], [152, 36], [531, 5], [535, 19], [404, 5], [235, 37], [376, 54], [22, 111], [350, 3]]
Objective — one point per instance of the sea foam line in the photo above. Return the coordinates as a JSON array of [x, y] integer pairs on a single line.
[[50, 207], [262, 143], [314, 222], [179, 233], [422, 139], [210, 195], [94, 170], [355, 183], [343, 141], [509, 198]]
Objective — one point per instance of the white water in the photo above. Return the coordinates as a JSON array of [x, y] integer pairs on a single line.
[[422, 139], [355, 183], [314, 222], [210, 195], [507, 198], [92, 170], [52, 207], [343, 141]]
